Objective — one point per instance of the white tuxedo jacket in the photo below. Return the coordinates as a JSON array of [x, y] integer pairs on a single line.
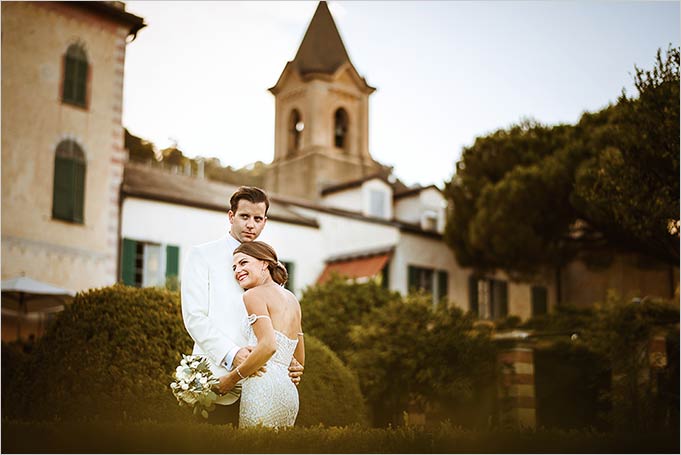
[[212, 307]]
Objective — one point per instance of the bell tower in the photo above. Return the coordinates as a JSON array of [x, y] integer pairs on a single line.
[[322, 116]]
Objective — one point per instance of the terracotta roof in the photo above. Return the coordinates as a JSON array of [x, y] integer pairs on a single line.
[[115, 11], [355, 268], [322, 49], [148, 183]]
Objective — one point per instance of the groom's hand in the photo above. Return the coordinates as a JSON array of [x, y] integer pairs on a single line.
[[295, 371], [241, 355]]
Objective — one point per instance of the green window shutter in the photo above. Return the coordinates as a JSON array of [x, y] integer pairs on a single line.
[[62, 195], [499, 299], [81, 82], [539, 300], [291, 270], [78, 190], [172, 260], [442, 281], [128, 262], [385, 276], [412, 278], [69, 79], [473, 305]]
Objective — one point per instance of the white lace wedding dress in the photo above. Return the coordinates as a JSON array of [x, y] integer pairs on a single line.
[[270, 400]]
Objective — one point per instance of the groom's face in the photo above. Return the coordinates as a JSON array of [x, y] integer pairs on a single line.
[[248, 221]]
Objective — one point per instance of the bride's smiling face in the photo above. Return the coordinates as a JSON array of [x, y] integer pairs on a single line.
[[249, 271]]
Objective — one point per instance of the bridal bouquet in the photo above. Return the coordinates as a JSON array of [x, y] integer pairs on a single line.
[[193, 385]]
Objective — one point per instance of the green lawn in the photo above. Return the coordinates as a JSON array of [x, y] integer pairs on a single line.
[[101, 437]]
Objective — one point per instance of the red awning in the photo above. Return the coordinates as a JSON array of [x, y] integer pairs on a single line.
[[355, 268]]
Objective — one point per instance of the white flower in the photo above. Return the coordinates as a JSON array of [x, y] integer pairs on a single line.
[[193, 382]]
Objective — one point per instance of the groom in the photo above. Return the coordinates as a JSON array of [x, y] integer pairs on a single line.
[[212, 308]]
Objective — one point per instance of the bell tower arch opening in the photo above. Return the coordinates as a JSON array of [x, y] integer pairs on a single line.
[[341, 125], [295, 133]]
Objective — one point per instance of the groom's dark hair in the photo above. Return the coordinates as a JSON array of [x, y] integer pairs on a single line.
[[251, 194]]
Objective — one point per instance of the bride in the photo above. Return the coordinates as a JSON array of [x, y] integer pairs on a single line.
[[274, 327]]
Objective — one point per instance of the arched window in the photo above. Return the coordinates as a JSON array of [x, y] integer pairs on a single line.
[[75, 76], [340, 128], [295, 131], [69, 182]]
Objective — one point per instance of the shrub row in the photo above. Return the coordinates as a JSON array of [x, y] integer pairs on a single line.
[[18, 437]]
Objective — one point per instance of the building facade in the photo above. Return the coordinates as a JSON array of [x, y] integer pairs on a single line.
[[62, 139]]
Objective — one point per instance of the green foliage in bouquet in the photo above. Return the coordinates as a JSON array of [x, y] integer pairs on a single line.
[[329, 391], [109, 355]]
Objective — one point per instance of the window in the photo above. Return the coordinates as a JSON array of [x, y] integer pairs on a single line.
[[340, 128], [434, 282], [295, 131], [488, 298], [74, 90], [290, 269], [145, 264], [68, 192], [377, 201], [539, 300]]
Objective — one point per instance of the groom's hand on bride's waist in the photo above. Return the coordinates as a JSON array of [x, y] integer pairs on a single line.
[[295, 371]]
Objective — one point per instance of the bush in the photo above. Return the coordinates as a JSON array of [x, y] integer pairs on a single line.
[[145, 437], [620, 331], [329, 391], [110, 355], [330, 309], [14, 359], [412, 354]]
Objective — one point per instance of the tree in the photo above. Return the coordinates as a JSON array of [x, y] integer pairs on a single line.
[[139, 150], [535, 196], [629, 189]]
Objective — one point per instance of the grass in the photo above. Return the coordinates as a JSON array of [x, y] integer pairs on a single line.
[[150, 437]]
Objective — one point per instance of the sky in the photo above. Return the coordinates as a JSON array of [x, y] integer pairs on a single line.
[[446, 72]]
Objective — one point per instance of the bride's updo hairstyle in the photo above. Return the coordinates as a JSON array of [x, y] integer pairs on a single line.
[[263, 252]]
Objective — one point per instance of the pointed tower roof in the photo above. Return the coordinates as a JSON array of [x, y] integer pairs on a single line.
[[322, 49]]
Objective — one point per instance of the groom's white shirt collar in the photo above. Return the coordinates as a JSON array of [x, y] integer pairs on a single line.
[[233, 243]]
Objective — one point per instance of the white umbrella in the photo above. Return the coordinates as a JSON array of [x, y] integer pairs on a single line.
[[25, 295]]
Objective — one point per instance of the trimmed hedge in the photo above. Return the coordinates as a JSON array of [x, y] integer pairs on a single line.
[[110, 356], [148, 437], [329, 391]]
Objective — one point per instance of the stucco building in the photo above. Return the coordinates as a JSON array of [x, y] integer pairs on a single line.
[[62, 139]]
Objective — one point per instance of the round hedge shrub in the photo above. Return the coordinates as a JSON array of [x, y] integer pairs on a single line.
[[110, 355], [329, 391]]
